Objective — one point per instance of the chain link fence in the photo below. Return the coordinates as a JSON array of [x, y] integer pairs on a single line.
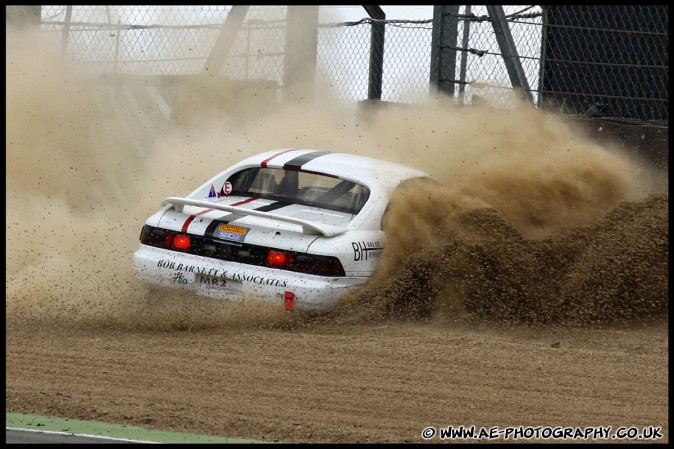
[[593, 60], [607, 60]]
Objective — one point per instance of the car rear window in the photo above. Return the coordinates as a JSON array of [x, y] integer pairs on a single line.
[[298, 187]]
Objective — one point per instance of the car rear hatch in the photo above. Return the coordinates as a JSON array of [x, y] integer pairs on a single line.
[[236, 220]]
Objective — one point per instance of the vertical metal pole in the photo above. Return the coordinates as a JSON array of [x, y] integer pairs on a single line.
[[464, 54], [119, 31], [541, 72], [443, 47], [509, 50], [299, 68], [66, 30], [374, 88], [249, 40], [225, 39]]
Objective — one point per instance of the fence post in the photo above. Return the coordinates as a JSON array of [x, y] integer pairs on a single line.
[[299, 63], [117, 38], [225, 39], [509, 50], [464, 54], [443, 47], [374, 87], [66, 30]]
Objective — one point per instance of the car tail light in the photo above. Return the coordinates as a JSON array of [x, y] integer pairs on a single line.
[[320, 265], [305, 263], [160, 238], [328, 266], [181, 242], [276, 258]]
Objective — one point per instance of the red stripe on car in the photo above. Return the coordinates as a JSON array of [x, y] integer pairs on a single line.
[[264, 162], [192, 217], [244, 201]]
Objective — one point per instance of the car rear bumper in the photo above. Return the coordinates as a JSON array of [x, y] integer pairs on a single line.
[[240, 282]]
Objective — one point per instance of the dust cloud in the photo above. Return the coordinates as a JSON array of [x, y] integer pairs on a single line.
[[528, 220]]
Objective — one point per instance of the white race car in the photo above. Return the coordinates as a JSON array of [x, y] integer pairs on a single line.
[[298, 227]]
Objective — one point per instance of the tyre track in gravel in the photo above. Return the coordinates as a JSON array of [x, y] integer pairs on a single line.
[[352, 383]]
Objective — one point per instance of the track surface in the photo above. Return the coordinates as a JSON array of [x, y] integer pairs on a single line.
[[375, 382]]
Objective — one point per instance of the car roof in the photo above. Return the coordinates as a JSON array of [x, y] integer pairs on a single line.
[[364, 169]]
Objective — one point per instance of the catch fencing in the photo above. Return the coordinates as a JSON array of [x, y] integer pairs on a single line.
[[584, 59]]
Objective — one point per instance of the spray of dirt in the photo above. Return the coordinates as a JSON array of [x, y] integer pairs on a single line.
[[531, 222], [518, 192], [81, 180], [479, 266]]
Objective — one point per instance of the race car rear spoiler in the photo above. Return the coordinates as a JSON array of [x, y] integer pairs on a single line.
[[308, 227]]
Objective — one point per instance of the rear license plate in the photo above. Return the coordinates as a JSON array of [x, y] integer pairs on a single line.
[[218, 282]]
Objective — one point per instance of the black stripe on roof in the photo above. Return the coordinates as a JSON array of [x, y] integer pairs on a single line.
[[299, 161], [273, 206]]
